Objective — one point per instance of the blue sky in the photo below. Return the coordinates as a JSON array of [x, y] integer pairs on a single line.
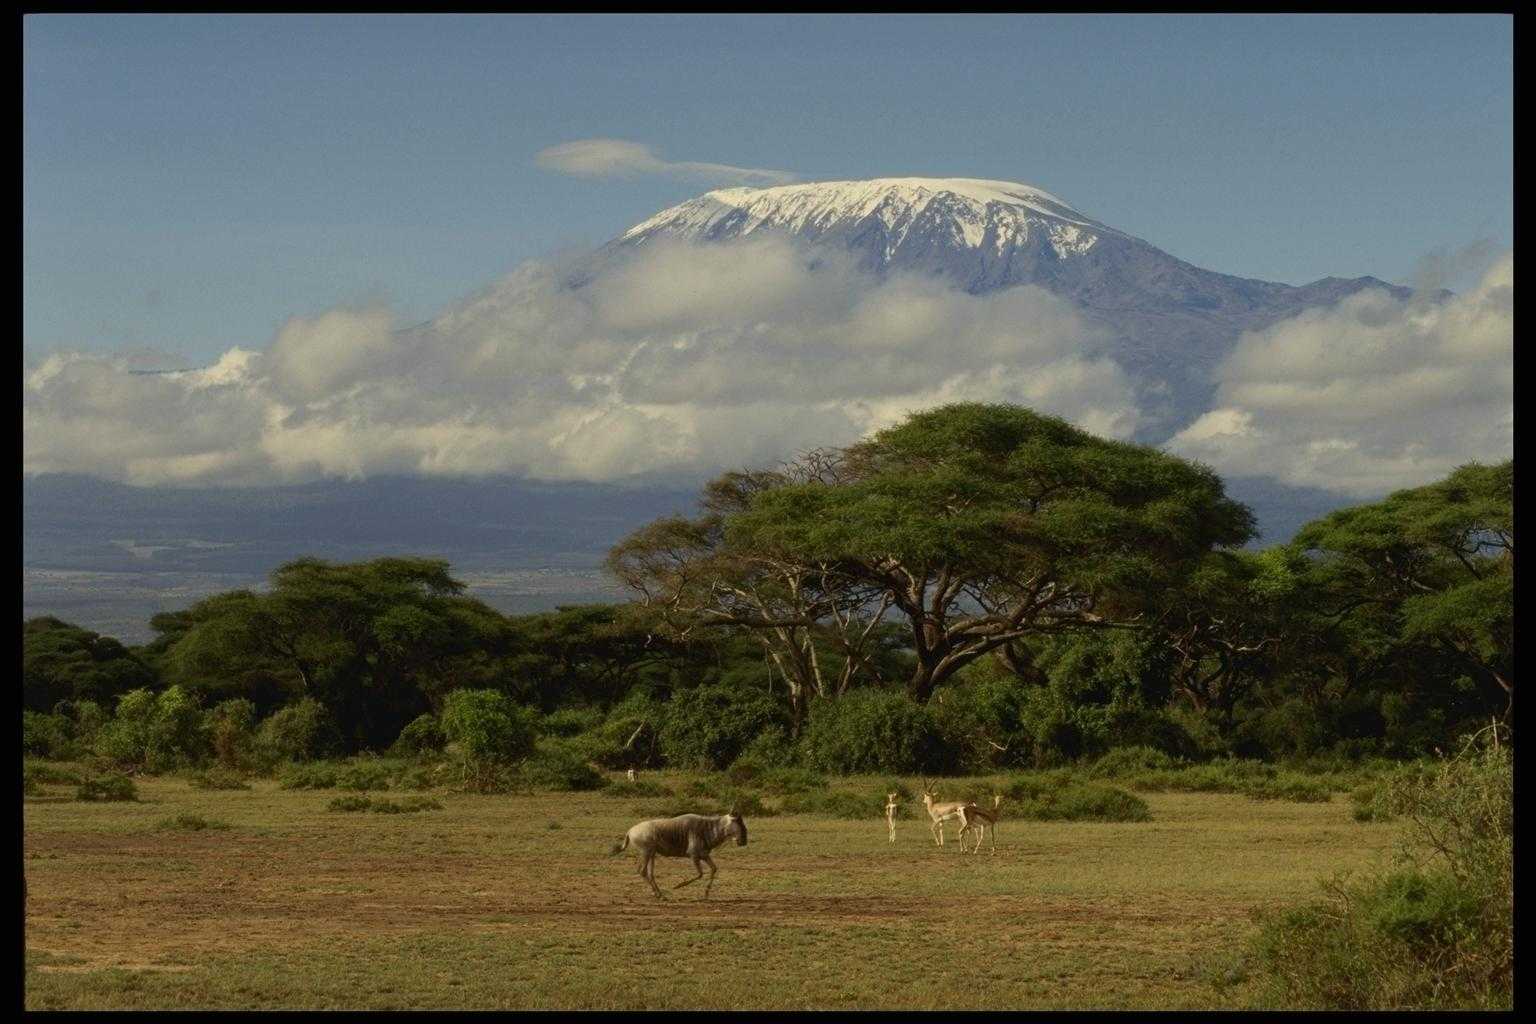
[[192, 183]]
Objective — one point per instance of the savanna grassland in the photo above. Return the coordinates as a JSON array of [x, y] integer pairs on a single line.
[[512, 901]]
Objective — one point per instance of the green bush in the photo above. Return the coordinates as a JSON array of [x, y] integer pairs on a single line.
[[302, 731], [155, 732], [349, 803], [791, 780], [1047, 798], [709, 726], [870, 731], [1434, 932], [189, 823], [1123, 761], [562, 770], [836, 804], [365, 774], [218, 777], [408, 805], [487, 726], [109, 787], [231, 731], [311, 775], [422, 736], [49, 736], [569, 722], [42, 773]]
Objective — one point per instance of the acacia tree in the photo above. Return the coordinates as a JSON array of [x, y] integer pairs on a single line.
[[691, 576], [1427, 571], [978, 525], [378, 643]]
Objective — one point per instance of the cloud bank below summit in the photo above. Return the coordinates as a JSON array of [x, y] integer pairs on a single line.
[[682, 360], [1369, 395], [678, 362]]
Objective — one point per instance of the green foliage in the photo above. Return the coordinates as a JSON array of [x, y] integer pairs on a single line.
[[1435, 933], [869, 731], [111, 786], [46, 774], [365, 774], [156, 733], [383, 805], [709, 726], [487, 727], [561, 769], [1044, 798], [190, 823], [302, 731], [218, 777], [422, 737], [308, 775], [568, 722], [231, 731], [49, 736], [61, 662], [835, 804], [1124, 761]]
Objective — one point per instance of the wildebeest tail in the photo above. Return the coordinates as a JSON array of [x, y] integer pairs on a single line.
[[620, 846]]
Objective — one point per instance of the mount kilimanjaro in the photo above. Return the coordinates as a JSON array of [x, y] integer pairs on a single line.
[[1170, 322]]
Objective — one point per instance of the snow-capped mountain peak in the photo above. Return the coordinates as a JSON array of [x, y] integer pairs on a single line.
[[969, 212]]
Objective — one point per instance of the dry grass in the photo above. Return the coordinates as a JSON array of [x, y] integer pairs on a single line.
[[482, 905]]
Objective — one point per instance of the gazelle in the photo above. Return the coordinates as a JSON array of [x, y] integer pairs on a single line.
[[890, 813], [940, 813], [973, 817]]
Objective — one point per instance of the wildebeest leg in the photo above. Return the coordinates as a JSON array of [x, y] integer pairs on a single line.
[[648, 870], [697, 866], [710, 861]]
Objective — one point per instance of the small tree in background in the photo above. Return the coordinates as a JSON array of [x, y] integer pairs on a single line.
[[488, 733]]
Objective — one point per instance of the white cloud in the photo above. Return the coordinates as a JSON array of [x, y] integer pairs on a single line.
[[682, 360], [1372, 394], [616, 158]]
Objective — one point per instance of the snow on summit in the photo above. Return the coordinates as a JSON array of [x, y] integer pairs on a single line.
[[972, 213]]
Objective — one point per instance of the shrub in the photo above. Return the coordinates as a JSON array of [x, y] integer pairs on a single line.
[[487, 726], [1288, 786], [49, 736], [791, 780], [836, 804], [408, 805], [1124, 761], [153, 732], [562, 770], [423, 735], [110, 787], [1044, 798], [41, 773], [349, 803], [218, 777], [568, 722], [189, 823], [772, 748], [868, 731], [708, 727], [302, 731], [314, 775], [230, 727], [1435, 932], [364, 774]]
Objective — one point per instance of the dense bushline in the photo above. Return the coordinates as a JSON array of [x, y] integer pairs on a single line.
[[1078, 598], [1432, 930]]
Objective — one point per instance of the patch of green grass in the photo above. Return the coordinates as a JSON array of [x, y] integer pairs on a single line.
[[189, 823], [107, 789]]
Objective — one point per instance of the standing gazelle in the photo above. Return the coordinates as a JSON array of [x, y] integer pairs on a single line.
[[940, 813], [891, 803], [687, 835], [973, 817]]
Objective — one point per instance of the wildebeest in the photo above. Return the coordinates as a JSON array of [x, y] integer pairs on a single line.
[[687, 835]]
